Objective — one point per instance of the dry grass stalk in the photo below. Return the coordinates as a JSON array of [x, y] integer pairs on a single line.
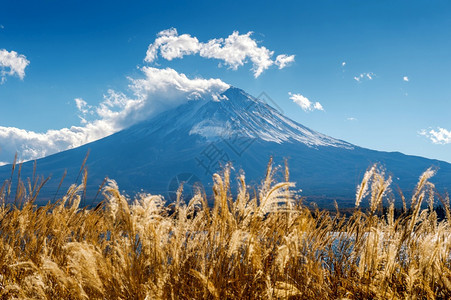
[[263, 246]]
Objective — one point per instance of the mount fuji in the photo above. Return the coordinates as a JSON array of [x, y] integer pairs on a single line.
[[196, 139]]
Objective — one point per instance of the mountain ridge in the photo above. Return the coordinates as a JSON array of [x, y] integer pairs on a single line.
[[200, 136]]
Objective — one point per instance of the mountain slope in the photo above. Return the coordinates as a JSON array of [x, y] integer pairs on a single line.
[[194, 140]]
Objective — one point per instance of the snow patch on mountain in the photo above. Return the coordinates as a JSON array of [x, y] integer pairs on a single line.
[[209, 129]]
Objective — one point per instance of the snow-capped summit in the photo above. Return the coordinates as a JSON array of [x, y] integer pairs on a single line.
[[241, 114], [233, 114]]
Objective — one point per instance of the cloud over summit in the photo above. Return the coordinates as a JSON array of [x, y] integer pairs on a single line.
[[156, 91]]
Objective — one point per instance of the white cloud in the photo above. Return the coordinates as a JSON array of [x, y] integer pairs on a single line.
[[83, 106], [405, 78], [31, 145], [157, 90], [368, 76], [2, 163], [439, 136], [234, 51], [318, 106], [343, 64], [284, 60], [351, 119], [172, 45], [305, 103], [84, 109], [12, 63]]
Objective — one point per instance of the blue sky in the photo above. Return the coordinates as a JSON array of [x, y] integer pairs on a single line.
[[380, 70]]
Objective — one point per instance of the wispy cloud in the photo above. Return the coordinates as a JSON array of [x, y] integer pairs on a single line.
[[82, 106], [351, 119], [234, 51], [12, 63], [343, 64], [439, 136], [156, 91], [84, 109], [284, 60], [364, 76], [305, 103], [405, 78]]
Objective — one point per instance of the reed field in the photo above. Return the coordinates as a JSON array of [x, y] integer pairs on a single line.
[[262, 243]]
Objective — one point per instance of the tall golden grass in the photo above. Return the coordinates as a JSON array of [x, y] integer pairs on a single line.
[[256, 245]]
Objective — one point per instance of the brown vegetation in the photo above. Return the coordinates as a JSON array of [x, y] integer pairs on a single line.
[[266, 246]]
